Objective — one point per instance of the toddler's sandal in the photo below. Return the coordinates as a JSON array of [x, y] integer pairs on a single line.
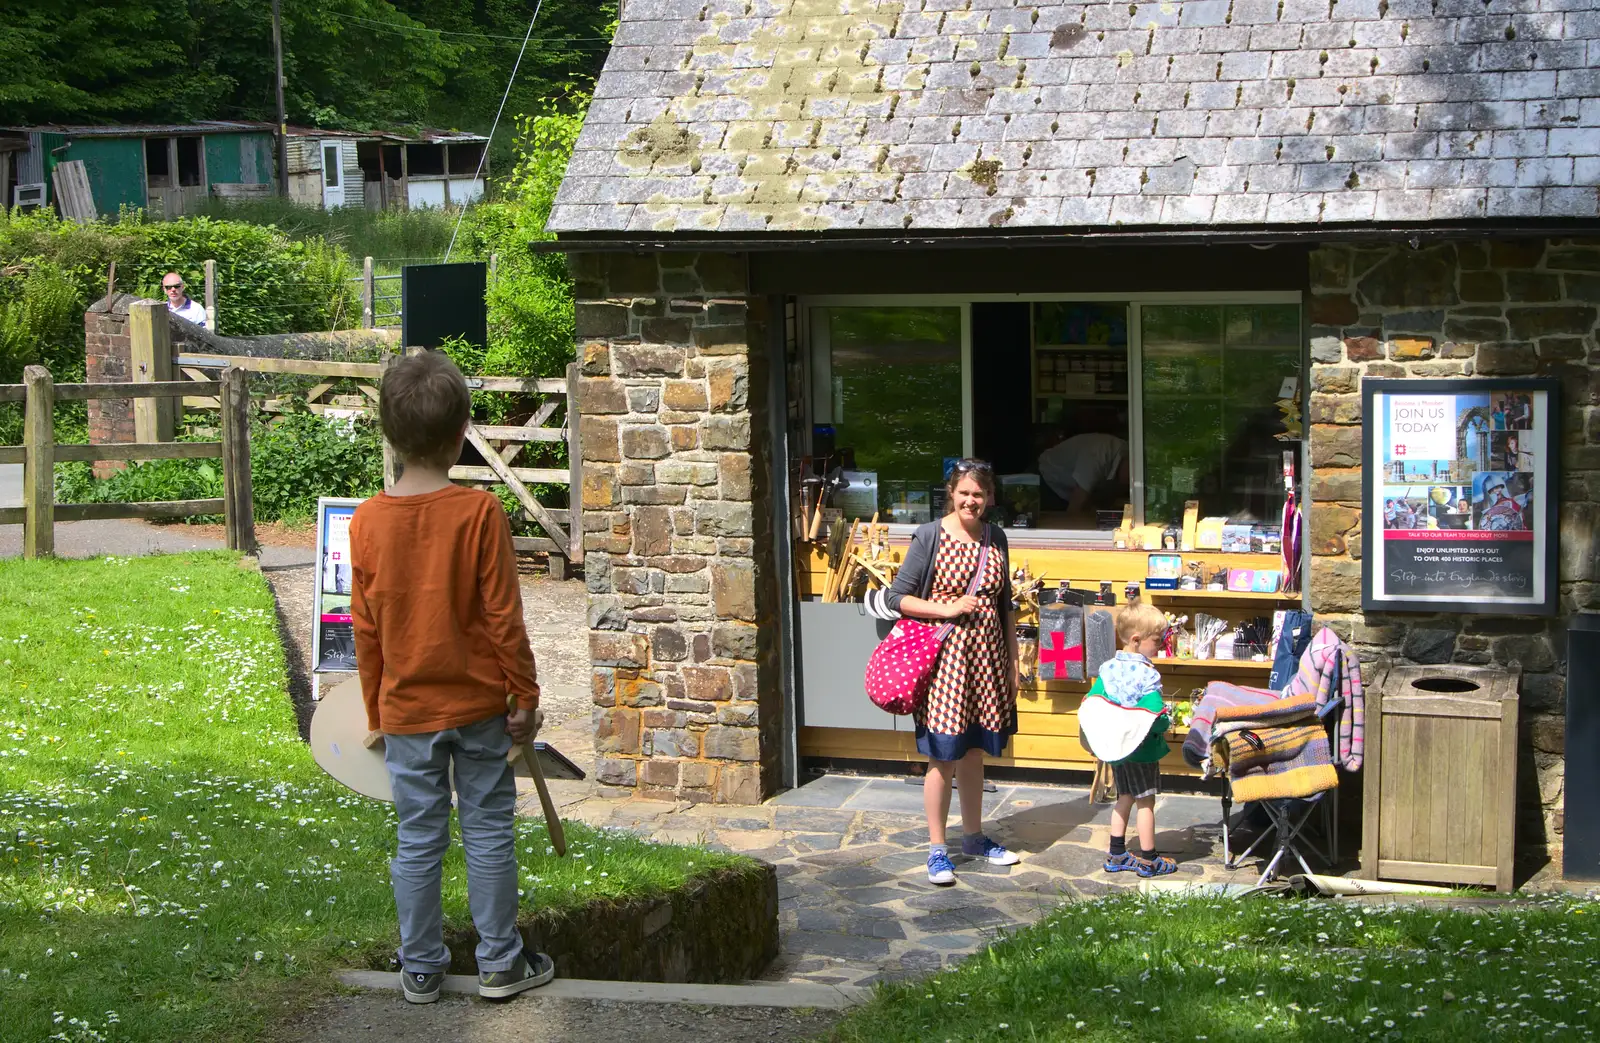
[[1160, 865], [1122, 863]]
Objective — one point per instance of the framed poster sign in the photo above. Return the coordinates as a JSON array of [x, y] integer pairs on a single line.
[[333, 638], [1460, 495]]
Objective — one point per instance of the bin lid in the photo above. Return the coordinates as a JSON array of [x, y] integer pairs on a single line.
[[1452, 681]]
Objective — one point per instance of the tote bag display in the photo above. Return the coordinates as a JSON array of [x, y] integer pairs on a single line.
[[902, 665]]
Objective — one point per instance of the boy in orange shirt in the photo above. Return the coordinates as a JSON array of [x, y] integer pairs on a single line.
[[440, 646]]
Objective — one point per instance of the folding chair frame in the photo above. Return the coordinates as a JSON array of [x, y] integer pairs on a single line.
[[1290, 829]]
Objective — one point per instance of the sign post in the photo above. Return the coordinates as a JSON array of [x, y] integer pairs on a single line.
[[333, 639], [1459, 505]]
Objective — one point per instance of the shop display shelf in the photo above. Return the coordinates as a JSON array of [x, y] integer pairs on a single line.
[[1081, 347], [1213, 664], [1110, 396], [1220, 596]]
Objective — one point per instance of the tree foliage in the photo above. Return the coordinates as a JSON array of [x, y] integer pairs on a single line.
[[347, 63]]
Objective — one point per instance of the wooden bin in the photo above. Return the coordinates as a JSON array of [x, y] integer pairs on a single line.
[[1440, 792]]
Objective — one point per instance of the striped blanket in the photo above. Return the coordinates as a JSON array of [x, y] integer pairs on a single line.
[[1219, 694], [1329, 669], [1275, 750]]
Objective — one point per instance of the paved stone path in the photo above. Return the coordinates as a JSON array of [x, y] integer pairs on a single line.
[[10, 485], [855, 905]]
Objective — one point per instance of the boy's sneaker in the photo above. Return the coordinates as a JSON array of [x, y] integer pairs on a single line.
[[940, 869], [981, 846], [421, 987], [1123, 863], [523, 975]]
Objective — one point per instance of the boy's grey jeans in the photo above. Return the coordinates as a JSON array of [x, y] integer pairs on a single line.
[[419, 770]]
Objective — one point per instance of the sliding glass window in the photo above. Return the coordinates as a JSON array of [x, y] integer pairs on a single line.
[[1214, 429]]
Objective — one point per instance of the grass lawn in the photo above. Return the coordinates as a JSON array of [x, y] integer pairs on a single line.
[[1269, 969], [173, 865]]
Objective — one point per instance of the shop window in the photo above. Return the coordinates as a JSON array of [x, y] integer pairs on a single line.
[[887, 392], [1080, 396], [158, 161], [1212, 379], [189, 169]]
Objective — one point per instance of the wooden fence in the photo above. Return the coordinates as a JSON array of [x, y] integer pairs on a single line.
[[39, 454], [498, 444]]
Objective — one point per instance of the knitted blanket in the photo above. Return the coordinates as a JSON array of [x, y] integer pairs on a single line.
[[1329, 668], [1219, 694], [1275, 750]]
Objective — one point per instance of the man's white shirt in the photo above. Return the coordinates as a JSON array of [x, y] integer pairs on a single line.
[[192, 310]]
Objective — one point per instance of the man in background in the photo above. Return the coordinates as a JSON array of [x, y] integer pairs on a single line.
[[179, 302], [1084, 469]]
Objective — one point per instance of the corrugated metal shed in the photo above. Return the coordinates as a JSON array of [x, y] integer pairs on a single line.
[[740, 116]]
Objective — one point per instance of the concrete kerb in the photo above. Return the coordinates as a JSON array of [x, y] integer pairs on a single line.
[[792, 995]]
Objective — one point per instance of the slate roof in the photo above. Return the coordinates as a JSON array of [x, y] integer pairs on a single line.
[[740, 116]]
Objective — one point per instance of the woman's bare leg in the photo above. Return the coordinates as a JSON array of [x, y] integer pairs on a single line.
[[969, 784], [936, 797]]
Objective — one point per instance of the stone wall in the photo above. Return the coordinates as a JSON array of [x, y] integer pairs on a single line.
[[108, 358], [1515, 307], [677, 538]]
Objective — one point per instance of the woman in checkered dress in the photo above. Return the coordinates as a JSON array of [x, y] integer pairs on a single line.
[[971, 706]]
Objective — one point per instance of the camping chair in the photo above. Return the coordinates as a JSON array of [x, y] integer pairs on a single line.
[[1290, 814]]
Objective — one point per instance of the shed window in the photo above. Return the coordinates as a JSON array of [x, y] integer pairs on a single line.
[[425, 160], [189, 171], [330, 165], [157, 160], [465, 157]]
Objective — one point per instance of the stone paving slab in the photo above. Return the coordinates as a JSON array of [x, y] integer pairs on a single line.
[[855, 906]]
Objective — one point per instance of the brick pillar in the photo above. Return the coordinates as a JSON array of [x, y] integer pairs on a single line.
[[108, 359], [1502, 308], [677, 547]]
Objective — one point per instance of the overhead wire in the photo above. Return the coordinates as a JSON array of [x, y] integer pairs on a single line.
[[484, 155]]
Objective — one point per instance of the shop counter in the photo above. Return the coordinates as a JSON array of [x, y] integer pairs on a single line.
[[839, 722]]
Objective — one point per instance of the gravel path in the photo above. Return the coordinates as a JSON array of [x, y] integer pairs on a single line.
[[384, 1016]]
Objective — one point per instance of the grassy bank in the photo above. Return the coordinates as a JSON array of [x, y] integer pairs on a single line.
[[1213, 970], [173, 866]]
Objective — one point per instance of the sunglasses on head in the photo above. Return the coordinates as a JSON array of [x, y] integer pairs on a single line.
[[972, 466]]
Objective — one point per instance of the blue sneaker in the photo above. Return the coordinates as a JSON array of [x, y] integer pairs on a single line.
[[940, 869], [981, 846]]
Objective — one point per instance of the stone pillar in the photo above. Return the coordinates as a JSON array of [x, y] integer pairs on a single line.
[[678, 550], [1519, 307]]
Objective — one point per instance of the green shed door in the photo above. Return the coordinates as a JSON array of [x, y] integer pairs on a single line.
[[115, 167], [239, 159]]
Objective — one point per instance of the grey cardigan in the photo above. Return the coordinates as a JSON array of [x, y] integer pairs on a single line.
[[916, 572]]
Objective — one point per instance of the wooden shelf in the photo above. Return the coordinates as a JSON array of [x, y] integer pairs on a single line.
[[1212, 664], [1067, 396], [1081, 347], [1219, 595]]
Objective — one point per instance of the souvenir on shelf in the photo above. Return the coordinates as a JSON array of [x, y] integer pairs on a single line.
[[1163, 572]]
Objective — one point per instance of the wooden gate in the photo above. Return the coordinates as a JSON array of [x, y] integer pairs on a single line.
[[498, 444]]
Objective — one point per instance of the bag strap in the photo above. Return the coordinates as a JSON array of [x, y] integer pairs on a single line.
[[972, 584]]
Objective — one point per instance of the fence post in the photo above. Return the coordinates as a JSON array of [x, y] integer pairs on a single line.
[[368, 297], [150, 342], [39, 464], [575, 472], [391, 469], [238, 496], [211, 296], [494, 267]]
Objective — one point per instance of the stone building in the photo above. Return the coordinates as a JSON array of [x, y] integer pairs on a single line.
[[760, 190]]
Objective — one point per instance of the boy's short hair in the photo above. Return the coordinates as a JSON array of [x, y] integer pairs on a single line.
[[1138, 618], [423, 405]]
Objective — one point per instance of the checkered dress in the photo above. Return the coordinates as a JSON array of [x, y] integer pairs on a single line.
[[970, 695]]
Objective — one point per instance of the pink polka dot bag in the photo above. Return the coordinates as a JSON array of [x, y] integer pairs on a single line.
[[901, 667]]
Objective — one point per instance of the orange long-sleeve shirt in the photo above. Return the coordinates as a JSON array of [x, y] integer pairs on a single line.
[[437, 611]]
